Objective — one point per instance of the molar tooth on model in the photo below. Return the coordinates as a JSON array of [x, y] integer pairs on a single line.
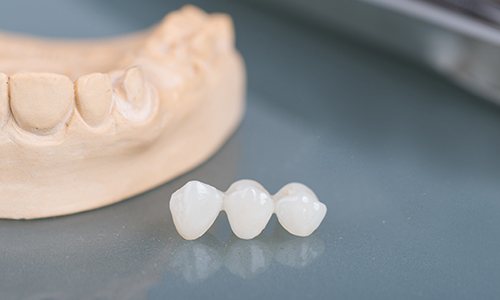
[[223, 32], [249, 207], [298, 209], [175, 28], [94, 97], [194, 208], [41, 101], [183, 23], [4, 98], [215, 37]]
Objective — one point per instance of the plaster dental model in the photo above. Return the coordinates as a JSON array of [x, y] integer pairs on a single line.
[[248, 206], [85, 124]]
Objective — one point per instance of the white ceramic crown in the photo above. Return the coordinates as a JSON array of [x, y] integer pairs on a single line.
[[249, 207]]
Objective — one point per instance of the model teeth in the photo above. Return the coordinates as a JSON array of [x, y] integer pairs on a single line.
[[178, 26], [216, 37], [298, 209], [94, 97], [157, 110], [194, 208], [135, 87], [248, 206], [134, 95], [41, 101], [192, 31], [4, 98]]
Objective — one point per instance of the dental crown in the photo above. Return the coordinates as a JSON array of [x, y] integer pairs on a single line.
[[248, 206], [84, 124]]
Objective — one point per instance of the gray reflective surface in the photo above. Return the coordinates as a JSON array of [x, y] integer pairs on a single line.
[[463, 48], [407, 163]]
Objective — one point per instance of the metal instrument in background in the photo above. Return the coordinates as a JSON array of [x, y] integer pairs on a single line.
[[459, 38]]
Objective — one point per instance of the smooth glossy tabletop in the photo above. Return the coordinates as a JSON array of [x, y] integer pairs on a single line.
[[408, 164]]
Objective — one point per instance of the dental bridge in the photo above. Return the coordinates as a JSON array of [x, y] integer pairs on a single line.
[[248, 206]]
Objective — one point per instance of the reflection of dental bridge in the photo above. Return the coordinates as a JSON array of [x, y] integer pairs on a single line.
[[166, 100], [198, 260], [187, 261]]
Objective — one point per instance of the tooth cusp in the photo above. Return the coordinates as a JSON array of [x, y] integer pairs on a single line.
[[40, 101], [194, 208], [298, 209], [248, 207]]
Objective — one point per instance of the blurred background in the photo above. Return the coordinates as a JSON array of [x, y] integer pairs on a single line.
[[388, 109]]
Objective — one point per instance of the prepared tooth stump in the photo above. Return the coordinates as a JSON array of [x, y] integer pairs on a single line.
[[87, 124]]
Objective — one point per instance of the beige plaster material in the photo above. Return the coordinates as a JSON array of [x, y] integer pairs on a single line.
[[94, 97], [87, 124], [4, 98]]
